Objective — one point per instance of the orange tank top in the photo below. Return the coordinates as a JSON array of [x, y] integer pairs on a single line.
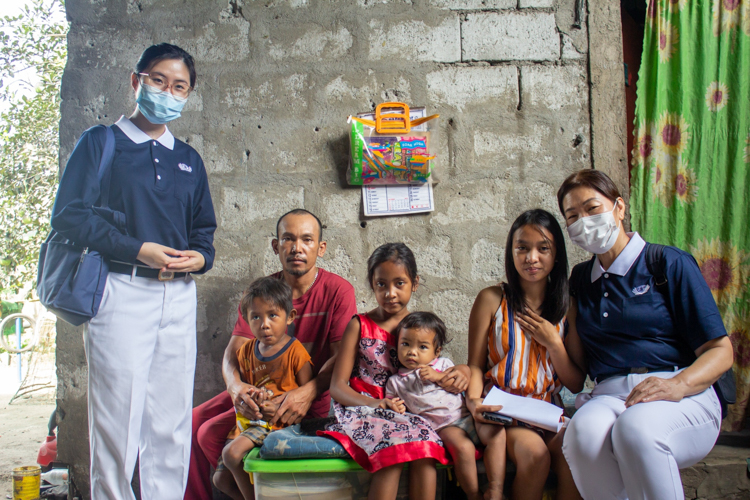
[[519, 364]]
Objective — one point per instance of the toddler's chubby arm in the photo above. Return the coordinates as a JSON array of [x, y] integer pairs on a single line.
[[395, 404], [392, 401]]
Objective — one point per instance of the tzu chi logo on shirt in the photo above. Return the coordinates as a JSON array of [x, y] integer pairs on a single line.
[[640, 290], [185, 168]]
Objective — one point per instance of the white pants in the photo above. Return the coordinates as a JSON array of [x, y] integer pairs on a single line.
[[637, 453], [141, 349]]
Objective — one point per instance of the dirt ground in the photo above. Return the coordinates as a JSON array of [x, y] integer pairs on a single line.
[[23, 428]]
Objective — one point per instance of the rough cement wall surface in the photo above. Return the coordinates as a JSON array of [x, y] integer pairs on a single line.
[[276, 81], [609, 126]]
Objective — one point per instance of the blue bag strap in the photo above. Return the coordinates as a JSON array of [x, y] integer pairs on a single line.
[[657, 266], [104, 172], [725, 387]]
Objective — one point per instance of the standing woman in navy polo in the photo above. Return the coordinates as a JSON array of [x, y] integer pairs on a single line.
[[653, 354], [141, 346]]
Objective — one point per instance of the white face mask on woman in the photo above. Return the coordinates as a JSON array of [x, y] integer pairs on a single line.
[[596, 233]]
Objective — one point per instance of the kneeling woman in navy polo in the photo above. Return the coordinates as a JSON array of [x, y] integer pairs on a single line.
[[141, 346], [654, 354]]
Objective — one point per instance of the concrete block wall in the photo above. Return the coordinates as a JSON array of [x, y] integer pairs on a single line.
[[276, 81]]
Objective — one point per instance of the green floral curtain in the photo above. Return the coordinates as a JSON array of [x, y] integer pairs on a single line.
[[690, 184]]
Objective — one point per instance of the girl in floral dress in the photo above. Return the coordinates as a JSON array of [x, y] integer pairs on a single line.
[[380, 439]]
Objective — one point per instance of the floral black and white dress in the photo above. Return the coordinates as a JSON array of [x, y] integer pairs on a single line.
[[374, 437]]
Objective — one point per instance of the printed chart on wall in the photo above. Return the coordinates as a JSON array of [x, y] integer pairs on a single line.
[[398, 199]]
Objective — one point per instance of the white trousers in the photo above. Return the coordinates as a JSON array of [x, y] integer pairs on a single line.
[[637, 453], [141, 350]]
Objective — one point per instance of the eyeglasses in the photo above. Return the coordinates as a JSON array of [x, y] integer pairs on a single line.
[[157, 80]]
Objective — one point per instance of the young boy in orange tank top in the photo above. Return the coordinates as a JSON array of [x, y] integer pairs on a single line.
[[274, 363]]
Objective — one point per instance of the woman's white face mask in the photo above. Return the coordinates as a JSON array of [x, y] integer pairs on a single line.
[[596, 234]]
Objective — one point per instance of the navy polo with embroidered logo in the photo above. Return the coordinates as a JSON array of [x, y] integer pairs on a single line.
[[624, 322], [160, 185]]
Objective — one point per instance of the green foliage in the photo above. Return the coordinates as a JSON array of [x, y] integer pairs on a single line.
[[32, 43]]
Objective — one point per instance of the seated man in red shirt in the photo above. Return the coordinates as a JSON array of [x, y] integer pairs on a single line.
[[325, 304]]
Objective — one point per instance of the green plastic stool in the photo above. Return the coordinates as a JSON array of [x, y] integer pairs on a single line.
[[291, 471], [253, 463]]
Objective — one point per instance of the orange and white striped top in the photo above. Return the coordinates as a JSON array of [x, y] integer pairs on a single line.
[[519, 364]]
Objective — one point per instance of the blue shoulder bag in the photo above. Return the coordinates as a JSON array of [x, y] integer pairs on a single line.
[[71, 278]]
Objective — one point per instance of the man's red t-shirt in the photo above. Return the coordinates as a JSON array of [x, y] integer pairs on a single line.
[[322, 315]]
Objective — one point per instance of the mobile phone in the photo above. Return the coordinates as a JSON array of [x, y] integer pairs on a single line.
[[497, 417]]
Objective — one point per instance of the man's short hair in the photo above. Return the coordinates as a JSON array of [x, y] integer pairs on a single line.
[[272, 290], [301, 211]]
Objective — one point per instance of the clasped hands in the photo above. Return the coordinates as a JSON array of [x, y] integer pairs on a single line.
[[168, 259], [254, 403], [286, 409]]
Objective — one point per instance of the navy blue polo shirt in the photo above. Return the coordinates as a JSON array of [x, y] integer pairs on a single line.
[[624, 322], [159, 185]]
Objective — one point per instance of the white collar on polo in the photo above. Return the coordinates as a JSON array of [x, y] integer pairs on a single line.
[[624, 261], [138, 136]]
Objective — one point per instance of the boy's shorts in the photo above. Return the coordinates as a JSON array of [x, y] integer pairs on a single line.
[[466, 424], [255, 433]]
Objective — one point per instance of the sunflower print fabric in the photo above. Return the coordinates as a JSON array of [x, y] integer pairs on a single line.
[[690, 181]]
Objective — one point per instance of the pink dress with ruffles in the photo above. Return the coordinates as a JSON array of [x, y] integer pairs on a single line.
[[374, 437]]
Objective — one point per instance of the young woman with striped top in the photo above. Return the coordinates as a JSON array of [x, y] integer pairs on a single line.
[[517, 343]]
